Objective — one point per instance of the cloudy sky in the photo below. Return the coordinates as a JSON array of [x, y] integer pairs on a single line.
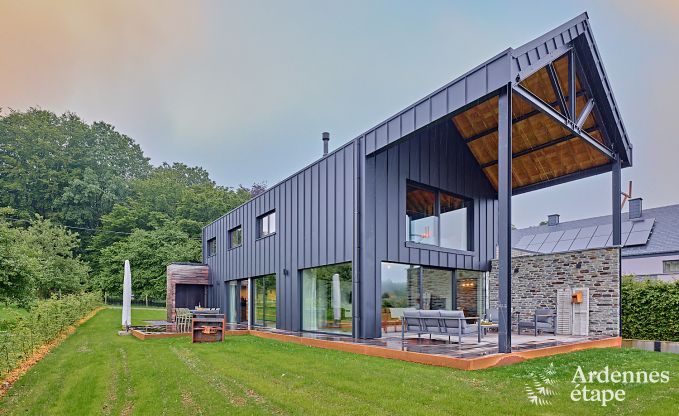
[[244, 89]]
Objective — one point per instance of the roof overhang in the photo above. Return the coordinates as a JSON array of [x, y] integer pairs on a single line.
[[555, 139]]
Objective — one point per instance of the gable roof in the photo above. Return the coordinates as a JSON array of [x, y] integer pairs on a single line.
[[663, 238], [510, 67]]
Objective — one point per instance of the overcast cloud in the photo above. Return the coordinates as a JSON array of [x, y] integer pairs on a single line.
[[244, 89]]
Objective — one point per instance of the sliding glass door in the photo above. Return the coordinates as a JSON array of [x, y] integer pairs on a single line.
[[264, 296], [408, 286], [327, 299]]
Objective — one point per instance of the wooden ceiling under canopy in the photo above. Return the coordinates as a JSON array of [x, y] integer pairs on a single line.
[[542, 148]]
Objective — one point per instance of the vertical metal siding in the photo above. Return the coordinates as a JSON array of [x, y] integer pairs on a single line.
[[314, 226], [435, 156]]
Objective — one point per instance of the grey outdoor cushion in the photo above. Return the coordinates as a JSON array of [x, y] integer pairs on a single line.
[[430, 321]]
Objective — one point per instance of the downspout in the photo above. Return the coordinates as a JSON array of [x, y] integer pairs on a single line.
[[356, 269]]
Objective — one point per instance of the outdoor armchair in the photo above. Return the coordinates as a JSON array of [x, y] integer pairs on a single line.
[[544, 320]]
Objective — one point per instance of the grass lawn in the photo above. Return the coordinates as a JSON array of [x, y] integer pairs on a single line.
[[95, 371]]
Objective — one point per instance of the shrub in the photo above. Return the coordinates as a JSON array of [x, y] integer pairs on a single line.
[[44, 322], [650, 310]]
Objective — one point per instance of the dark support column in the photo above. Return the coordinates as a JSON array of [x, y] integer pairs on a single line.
[[572, 96], [504, 195], [615, 187]]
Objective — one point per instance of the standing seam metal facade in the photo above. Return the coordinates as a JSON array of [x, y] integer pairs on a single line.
[[350, 205], [314, 227]]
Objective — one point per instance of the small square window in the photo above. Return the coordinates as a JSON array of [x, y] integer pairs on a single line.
[[266, 224], [670, 266], [236, 237], [211, 247]]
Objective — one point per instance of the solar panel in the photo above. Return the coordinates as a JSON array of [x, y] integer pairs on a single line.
[[570, 234], [598, 241], [586, 232], [539, 238], [525, 241], [606, 229], [643, 225], [633, 233], [626, 226], [563, 245], [534, 247], [553, 237], [638, 237], [547, 247], [579, 244]]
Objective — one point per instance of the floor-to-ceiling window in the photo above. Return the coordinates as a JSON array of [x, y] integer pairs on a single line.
[[243, 302], [470, 288], [232, 301], [407, 286], [327, 299], [264, 297], [437, 289]]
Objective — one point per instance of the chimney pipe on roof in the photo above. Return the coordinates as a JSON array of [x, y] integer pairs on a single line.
[[326, 139], [635, 210], [553, 219]]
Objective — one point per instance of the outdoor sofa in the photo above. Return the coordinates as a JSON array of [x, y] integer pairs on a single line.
[[440, 322]]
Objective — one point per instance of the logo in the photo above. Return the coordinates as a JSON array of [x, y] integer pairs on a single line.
[[601, 386], [541, 386]]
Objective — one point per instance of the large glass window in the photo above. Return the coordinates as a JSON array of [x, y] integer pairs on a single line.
[[422, 220], [437, 218], [406, 286], [454, 222], [326, 299], [266, 224], [437, 289], [236, 237], [232, 302], [264, 295], [211, 247], [470, 292]]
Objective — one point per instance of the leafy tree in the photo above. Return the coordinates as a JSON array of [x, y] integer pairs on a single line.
[[64, 169], [16, 267], [149, 253], [53, 247], [39, 261]]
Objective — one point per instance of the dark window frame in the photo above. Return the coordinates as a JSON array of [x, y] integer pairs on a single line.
[[212, 247], [231, 232], [468, 204], [260, 224], [668, 264]]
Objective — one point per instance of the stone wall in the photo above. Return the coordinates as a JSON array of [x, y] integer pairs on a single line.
[[536, 279]]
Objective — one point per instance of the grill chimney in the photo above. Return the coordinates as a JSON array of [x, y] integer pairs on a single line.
[[553, 219], [326, 139], [635, 210]]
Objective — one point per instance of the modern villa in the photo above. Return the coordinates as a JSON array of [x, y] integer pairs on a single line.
[[412, 212]]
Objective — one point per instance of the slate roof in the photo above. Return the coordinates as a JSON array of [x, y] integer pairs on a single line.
[[664, 237]]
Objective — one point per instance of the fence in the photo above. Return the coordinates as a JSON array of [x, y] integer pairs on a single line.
[[145, 302]]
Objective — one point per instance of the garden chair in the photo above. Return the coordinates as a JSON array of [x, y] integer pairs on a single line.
[[544, 320]]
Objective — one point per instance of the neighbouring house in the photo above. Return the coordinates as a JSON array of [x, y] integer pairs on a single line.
[[650, 239], [409, 213]]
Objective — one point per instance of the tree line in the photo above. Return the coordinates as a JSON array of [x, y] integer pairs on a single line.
[[77, 199]]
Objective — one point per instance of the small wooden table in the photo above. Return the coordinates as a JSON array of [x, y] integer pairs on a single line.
[[486, 327]]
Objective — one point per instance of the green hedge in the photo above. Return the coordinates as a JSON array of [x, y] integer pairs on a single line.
[[650, 310], [44, 322]]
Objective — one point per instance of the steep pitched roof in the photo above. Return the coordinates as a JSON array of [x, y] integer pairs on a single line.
[[664, 235]]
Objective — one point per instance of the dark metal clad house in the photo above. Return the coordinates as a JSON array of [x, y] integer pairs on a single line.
[[409, 214]]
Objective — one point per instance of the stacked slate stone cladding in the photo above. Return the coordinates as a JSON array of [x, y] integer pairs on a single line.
[[536, 279]]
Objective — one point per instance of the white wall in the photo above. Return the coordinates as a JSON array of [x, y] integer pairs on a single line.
[[649, 266]]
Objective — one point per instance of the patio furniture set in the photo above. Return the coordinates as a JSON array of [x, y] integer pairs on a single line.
[[454, 323]]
